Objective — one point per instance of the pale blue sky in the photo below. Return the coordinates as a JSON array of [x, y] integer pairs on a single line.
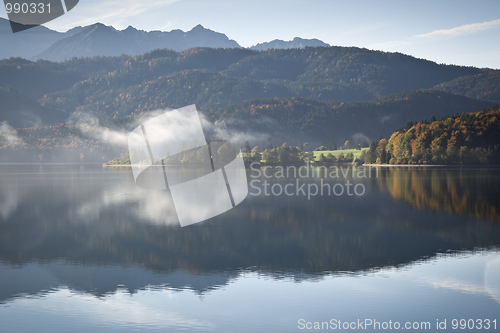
[[451, 31]]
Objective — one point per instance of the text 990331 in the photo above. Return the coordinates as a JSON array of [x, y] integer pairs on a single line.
[[25, 14]]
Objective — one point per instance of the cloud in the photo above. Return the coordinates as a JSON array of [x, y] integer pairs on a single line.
[[9, 134], [385, 118], [238, 131], [148, 206], [90, 127], [120, 310], [169, 130], [491, 273], [460, 286], [30, 119], [360, 138], [10, 196], [466, 29], [239, 137]]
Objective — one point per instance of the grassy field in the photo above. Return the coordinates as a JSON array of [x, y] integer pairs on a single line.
[[355, 152]]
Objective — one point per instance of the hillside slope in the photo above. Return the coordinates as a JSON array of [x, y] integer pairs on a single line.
[[310, 95], [465, 138], [485, 86]]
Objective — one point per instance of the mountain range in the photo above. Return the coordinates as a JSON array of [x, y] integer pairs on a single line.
[[296, 43], [25, 44], [101, 40], [303, 94]]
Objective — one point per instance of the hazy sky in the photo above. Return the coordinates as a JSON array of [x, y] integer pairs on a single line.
[[451, 31]]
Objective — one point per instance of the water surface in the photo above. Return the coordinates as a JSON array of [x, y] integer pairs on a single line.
[[83, 248]]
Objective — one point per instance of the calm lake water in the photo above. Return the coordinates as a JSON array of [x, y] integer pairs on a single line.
[[83, 249]]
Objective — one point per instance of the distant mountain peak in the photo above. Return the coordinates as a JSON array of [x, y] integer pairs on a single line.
[[101, 40], [199, 27], [98, 25], [296, 43], [130, 28], [94, 28]]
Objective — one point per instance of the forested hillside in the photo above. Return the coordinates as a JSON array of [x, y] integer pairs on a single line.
[[466, 138], [215, 78], [485, 86], [18, 109], [310, 95]]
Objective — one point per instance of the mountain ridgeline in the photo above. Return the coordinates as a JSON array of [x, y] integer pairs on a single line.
[[102, 40], [312, 94], [41, 43], [296, 43]]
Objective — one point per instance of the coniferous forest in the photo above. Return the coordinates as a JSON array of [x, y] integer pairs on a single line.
[[315, 95]]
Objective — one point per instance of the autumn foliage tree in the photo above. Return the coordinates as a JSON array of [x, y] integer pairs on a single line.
[[467, 138]]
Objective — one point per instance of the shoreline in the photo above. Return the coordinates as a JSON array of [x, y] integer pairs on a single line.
[[346, 164], [105, 165], [431, 165], [412, 165]]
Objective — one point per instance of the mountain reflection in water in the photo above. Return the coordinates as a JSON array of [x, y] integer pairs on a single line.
[[97, 232]]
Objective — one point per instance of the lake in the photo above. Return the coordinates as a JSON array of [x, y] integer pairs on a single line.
[[84, 249]]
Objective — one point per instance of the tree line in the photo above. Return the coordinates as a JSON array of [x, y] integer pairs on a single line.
[[466, 138]]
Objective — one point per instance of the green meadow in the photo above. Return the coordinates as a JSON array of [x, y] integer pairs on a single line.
[[355, 152]]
